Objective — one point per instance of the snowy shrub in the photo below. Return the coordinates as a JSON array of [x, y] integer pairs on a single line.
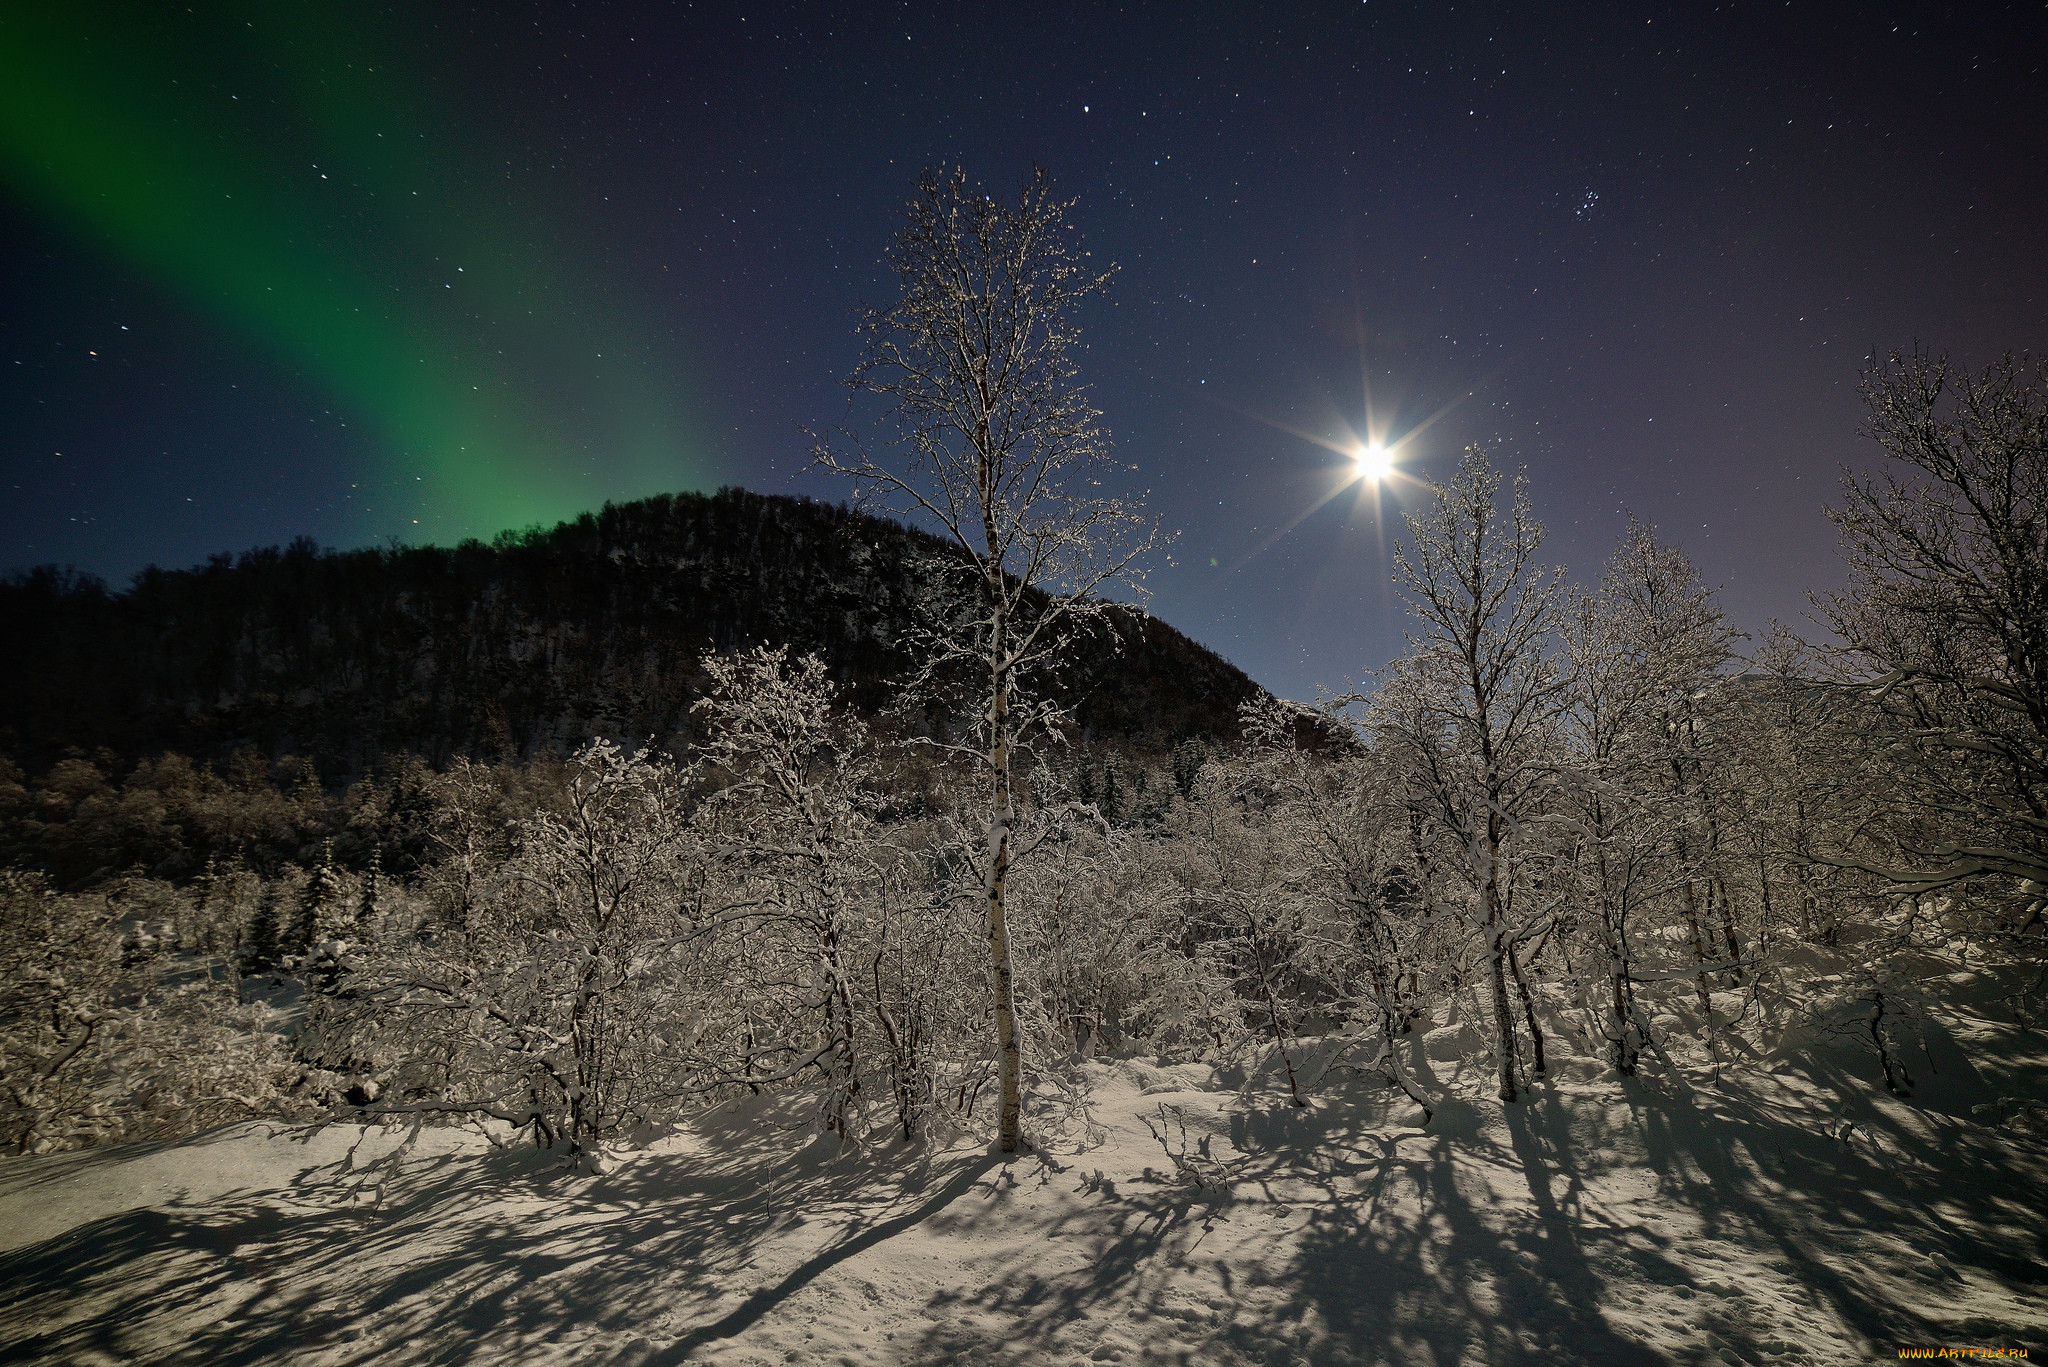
[[1091, 916], [103, 1038], [924, 987], [855, 955], [570, 1001], [63, 981]]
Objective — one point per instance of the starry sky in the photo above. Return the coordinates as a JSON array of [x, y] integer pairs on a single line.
[[419, 273]]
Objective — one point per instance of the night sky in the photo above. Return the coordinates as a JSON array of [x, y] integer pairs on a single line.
[[425, 273]]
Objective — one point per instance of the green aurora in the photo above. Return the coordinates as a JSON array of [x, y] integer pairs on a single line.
[[264, 168]]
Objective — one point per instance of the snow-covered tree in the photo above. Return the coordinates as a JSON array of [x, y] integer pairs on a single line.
[[1812, 777], [1467, 715], [1945, 620], [997, 449], [264, 939], [62, 975], [1245, 915], [1344, 821], [468, 832], [570, 1002], [97, 1044], [794, 823], [1634, 803], [1091, 914]]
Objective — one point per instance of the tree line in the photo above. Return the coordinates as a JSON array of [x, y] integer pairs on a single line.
[[538, 641]]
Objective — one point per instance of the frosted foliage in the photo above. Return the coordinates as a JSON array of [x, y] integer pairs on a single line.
[[568, 1000], [845, 959], [104, 1037], [1945, 620], [1468, 715]]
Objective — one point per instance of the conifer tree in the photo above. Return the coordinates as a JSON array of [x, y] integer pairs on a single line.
[[263, 941]]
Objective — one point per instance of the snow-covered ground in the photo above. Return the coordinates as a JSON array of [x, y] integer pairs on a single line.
[[1797, 1214]]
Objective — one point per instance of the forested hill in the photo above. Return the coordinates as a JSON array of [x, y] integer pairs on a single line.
[[541, 639]]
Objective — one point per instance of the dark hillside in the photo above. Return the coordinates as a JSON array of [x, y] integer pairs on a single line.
[[539, 640]]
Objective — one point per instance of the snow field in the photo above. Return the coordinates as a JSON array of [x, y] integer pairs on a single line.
[[1793, 1215]]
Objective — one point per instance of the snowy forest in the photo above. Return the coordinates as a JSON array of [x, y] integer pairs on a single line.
[[1583, 832]]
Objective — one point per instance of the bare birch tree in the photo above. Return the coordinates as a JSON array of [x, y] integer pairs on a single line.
[[995, 446], [794, 822], [1946, 614], [1644, 650], [1469, 711]]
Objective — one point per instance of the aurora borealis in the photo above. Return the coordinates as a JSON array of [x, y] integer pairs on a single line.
[[418, 273], [331, 211]]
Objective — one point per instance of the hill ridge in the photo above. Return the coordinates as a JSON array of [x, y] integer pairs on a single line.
[[538, 639]]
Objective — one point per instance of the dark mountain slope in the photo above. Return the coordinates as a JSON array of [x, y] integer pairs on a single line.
[[539, 640]]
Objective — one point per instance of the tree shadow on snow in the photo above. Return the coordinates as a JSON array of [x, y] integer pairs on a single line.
[[1372, 1278], [475, 1257], [1310, 1235], [1871, 1221], [1448, 1246]]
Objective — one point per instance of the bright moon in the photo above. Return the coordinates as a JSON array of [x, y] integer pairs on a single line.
[[1373, 462]]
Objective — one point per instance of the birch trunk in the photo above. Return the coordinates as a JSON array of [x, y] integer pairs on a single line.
[[1009, 1056]]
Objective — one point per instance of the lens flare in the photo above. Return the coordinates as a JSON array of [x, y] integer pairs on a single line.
[[1374, 462]]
